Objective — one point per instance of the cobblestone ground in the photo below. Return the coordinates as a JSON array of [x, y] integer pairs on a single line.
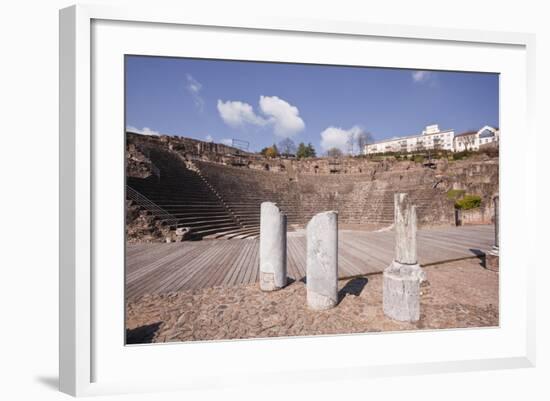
[[455, 295]]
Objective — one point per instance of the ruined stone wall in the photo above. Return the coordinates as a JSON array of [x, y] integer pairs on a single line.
[[478, 177], [360, 189], [359, 198], [189, 147], [137, 164], [141, 227], [480, 215]]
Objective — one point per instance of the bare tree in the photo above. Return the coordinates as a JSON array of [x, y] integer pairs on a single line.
[[364, 139], [469, 141], [335, 152], [350, 143], [287, 147]]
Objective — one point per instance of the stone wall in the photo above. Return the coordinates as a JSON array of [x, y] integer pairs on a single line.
[[137, 164], [360, 189], [191, 148], [141, 227], [480, 215], [359, 198]]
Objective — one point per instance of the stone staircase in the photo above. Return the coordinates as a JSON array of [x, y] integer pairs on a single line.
[[184, 196], [243, 191], [218, 201]]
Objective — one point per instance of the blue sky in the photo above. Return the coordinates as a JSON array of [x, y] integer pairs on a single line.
[[263, 103]]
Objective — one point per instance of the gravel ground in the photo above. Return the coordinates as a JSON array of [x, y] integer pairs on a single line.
[[455, 295]]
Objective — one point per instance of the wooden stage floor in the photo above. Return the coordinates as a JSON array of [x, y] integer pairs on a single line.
[[162, 268]]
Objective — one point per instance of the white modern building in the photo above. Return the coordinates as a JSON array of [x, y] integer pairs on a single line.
[[433, 138], [474, 140]]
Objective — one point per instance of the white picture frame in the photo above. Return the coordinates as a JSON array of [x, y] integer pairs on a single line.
[[81, 345]]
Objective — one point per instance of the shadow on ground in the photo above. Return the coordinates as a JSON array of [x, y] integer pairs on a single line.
[[480, 255], [353, 287], [142, 334]]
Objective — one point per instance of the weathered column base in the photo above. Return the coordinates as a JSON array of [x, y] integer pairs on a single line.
[[320, 302], [267, 282], [401, 292], [492, 259]]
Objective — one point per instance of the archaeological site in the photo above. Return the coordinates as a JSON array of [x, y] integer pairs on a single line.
[[226, 243]]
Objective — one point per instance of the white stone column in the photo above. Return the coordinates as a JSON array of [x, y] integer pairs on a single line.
[[496, 201], [272, 247], [405, 229], [322, 261], [492, 255], [401, 288]]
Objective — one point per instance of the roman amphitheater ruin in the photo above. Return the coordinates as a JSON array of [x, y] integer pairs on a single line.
[[223, 243]]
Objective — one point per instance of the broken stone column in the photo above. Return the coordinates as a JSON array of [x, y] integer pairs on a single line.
[[402, 279], [492, 256], [272, 247], [322, 261]]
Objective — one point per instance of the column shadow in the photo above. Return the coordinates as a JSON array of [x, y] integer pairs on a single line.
[[142, 334], [353, 287], [480, 255]]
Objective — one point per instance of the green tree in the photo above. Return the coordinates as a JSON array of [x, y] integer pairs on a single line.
[[305, 151], [301, 152], [310, 150]]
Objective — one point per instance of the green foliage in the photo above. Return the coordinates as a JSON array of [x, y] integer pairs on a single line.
[[468, 202], [454, 194], [418, 159], [305, 151], [461, 155]]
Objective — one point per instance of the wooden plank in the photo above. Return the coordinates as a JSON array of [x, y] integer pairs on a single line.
[[217, 276], [157, 268], [211, 267]]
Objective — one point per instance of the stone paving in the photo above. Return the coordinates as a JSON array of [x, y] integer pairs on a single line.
[[456, 295]]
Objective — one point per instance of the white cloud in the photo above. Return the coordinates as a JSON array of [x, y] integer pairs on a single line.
[[194, 88], [285, 117], [421, 76], [236, 114], [278, 113], [227, 141], [144, 131], [335, 137], [209, 138]]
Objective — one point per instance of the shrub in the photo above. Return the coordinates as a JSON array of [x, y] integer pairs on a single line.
[[418, 159], [454, 194], [468, 202], [461, 155]]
